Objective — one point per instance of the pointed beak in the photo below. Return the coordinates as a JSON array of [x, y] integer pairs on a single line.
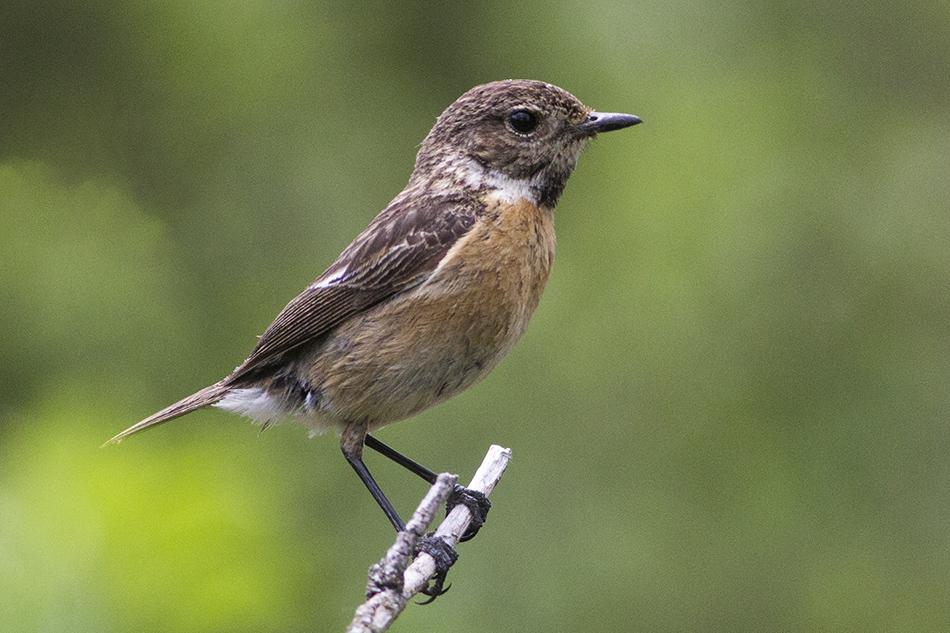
[[598, 122]]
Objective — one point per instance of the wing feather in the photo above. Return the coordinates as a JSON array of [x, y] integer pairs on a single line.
[[398, 251]]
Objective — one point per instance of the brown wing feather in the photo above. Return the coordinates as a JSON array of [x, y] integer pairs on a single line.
[[396, 252]]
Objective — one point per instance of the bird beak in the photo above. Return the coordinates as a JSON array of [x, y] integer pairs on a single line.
[[597, 122]]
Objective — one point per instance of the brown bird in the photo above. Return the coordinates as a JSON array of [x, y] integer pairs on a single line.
[[434, 293]]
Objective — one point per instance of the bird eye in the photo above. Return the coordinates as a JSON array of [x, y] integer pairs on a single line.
[[523, 121]]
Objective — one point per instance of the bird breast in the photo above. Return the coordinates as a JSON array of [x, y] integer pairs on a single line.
[[441, 337]]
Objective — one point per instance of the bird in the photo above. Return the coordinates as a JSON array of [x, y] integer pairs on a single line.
[[428, 299]]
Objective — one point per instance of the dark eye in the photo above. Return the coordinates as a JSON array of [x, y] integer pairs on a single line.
[[523, 121]]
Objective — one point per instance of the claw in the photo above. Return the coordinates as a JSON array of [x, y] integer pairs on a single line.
[[434, 590], [444, 556]]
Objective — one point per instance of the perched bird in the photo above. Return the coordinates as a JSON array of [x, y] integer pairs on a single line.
[[434, 293]]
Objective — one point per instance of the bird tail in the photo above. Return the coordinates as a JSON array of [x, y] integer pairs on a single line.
[[203, 398]]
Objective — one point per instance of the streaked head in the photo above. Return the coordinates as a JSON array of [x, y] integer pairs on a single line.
[[524, 130]]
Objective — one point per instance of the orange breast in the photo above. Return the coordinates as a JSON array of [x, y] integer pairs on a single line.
[[429, 344]]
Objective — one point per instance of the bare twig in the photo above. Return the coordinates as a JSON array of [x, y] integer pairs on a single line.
[[391, 584]]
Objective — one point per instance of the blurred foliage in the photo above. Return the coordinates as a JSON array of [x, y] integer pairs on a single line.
[[730, 412]]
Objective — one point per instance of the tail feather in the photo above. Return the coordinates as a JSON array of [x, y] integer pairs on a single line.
[[203, 398]]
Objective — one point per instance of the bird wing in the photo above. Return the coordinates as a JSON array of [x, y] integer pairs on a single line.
[[399, 250]]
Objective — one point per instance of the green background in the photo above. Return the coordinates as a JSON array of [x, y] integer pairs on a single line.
[[730, 412]]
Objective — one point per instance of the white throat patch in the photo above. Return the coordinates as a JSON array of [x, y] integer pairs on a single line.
[[478, 177]]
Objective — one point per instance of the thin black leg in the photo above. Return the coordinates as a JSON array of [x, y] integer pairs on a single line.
[[475, 501], [443, 553], [400, 459], [374, 490]]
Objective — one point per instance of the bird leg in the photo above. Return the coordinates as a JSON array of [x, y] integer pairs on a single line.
[[442, 553], [356, 461], [475, 501]]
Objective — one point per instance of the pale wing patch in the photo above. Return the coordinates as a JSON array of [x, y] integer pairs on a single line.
[[323, 283]]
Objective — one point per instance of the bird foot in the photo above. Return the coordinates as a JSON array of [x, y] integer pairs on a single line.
[[476, 502], [444, 556]]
